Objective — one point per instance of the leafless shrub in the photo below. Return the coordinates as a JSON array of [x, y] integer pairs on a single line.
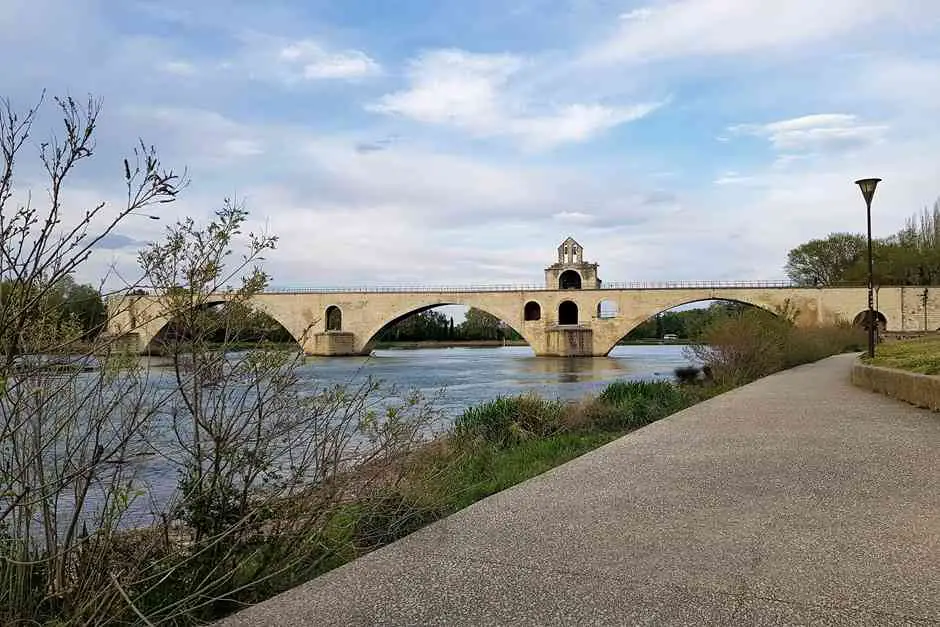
[[274, 482]]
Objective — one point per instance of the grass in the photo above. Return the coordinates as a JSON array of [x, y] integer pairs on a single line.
[[455, 478], [508, 440], [919, 355]]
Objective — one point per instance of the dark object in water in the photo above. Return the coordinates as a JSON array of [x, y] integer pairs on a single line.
[[687, 374]]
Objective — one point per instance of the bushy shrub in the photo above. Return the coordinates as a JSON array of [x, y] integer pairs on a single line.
[[687, 374], [387, 515], [752, 344], [509, 419], [632, 404]]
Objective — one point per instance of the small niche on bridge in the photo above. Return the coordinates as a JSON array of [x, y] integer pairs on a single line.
[[334, 318], [532, 311], [607, 309], [567, 313], [569, 280]]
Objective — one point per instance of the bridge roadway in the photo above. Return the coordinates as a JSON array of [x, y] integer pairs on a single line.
[[566, 322], [798, 499]]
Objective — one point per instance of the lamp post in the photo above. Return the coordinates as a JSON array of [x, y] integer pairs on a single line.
[[924, 298], [868, 192]]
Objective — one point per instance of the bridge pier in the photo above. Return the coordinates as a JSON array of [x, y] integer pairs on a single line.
[[567, 341], [331, 344]]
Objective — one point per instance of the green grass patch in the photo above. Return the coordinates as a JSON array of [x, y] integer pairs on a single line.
[[919, 355], [458, 478]]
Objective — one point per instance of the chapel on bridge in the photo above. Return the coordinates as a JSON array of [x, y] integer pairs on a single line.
[[571, 272]]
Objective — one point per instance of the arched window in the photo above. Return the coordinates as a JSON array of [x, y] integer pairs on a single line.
[[569, 280], [532, 311], [567, 313], [607, 309], [334, 318]]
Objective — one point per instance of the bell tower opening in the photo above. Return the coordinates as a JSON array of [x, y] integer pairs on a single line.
[[569, 280], [571, 272]]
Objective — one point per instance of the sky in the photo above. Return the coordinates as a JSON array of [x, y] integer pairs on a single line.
[[450, 142]]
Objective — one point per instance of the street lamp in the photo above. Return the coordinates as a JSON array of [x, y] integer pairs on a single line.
[[868, 192], [144, 215], [924, 298]]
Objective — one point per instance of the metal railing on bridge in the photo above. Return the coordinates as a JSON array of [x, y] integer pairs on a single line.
[[451, 289]]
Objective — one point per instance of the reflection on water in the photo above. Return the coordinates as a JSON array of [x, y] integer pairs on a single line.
[[574, 369]]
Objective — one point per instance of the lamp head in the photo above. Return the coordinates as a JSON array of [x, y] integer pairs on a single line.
[[868, 188]]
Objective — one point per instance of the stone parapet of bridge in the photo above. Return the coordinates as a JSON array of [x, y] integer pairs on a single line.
[[573, 314]]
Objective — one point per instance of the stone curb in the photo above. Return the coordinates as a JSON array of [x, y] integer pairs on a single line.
[[917, 389]]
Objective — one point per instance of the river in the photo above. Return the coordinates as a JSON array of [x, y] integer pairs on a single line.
[[456, 377], [470, 376]]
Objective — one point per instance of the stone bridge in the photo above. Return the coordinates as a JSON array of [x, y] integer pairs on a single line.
[[573, 314]]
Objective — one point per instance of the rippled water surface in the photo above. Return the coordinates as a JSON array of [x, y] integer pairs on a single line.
[[473, 375], [457, 377]]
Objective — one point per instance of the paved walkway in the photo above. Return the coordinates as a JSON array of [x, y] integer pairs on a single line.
[[795, 500]]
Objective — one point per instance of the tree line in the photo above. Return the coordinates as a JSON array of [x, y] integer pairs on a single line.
[[689, 324], [910, 256], [435, 326], [66, 308]]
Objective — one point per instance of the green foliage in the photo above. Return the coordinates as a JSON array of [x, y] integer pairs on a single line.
[[632, 404], [509, 419], [920, 355], [456, 480], [687, 324], [385, 516], [825, 261], [60, 313], [433, 325], [751, 345], [426, 325], [909, 257]]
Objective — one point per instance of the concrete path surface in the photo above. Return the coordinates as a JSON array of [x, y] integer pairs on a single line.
[[798, 499]]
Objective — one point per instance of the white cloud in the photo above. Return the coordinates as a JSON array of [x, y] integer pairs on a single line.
[[179, 68], [636, 14], [669, 29], [818, 132], [198, 137], [472, 92], [314, 62], [733, 178], [573, 216]]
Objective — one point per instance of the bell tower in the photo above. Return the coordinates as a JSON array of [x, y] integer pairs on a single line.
[[571, 272]]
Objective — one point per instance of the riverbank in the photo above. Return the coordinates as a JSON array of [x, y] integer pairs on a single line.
[[504, 442], [763, 506]]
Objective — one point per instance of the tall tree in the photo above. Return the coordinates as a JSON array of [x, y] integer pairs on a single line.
[[480, 325], [825, 261]]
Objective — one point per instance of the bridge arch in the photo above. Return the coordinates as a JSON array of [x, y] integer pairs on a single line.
[[861, 320], [151, 331], [624, 325], [513, 322]]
